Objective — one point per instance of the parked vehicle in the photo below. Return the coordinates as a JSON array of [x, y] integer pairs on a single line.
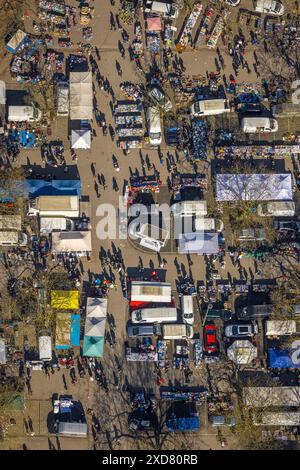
[[160, 98], [143, 330], [280, 327], [187, 308], [45, 347], [255, 311], [252, 125], [238, 330], [154, 315], [287, 225], [270, 7], [209, 107], [154, 125], [177, 331], [276, 209], [210, 339], [219, 420], [24, 114], [253, 234], [165, 8]]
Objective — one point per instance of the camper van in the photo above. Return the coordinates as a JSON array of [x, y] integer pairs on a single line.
[[187, 309], [252, 125], [164, 8], [24, 114], [154, 315], [62, 99], [177, 331], [45, 349], [270, 7], [276, 209], [154, 126], [64, 206], [280, 328], [209, 107]]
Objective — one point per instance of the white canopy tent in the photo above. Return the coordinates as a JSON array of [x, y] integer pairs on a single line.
[[96, 307], [81, 139], [2, 92], [63, 242], [95, 327], [48, 224], [254, 187], [200, 242], [242, 352], [81, 95]]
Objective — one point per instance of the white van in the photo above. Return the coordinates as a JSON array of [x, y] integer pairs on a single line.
[[143, 291], [62, 99], [24, 114], [187, 308], [154, 126], [252, 125], [164, 8], [177, 331], [270, 7], [209, 107], [154, 315], [276, 209], [280, 327], [45, 348], [13, 238]]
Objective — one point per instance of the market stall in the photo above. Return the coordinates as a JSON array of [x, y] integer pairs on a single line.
[[129, 127], [81, 139], [217, 30], [186, 35]]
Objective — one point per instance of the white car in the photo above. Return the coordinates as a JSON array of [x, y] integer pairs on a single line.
[[233, 3], [239, 330], [270, 7]]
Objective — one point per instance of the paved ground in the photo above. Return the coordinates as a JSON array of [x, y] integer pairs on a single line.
[[111, 408]]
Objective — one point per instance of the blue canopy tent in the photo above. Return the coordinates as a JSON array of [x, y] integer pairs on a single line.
[[38, 187], [284, 359], [183, 424], [93, 346]]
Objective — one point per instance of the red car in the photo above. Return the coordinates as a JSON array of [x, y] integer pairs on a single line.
[[210, 339]]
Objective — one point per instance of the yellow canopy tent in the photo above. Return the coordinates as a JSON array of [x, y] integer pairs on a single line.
[[65, 299]]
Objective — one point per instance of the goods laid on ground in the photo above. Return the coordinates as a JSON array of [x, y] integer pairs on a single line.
[[217, 30], [131, 91], [86, 14], [153, 42], [199, 139], [186, 34], [128, 119], [257, 151], [204, 26], [161, 354], [141, 356]]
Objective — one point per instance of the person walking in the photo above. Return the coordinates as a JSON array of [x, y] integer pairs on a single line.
[[30, 425]]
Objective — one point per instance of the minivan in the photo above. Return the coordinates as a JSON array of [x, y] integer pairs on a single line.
[[165, 8], [252, 234], [209, 107], [154, 126], [160, 98], [276, 209], [252, 125], [220, 420], [255, 311], [187, 308], [154, 315], [270, 7], [177, 331], [143, 330]]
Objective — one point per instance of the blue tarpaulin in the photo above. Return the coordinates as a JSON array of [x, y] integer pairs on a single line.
[[75, 330], [38, 187], [183, 424], [284, 358]]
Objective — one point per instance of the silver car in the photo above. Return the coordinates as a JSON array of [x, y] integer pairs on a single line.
[[143, 330], [239, 330]]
